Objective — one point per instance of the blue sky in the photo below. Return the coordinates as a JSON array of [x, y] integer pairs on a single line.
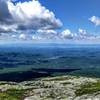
[[74, 14], [50, 19]]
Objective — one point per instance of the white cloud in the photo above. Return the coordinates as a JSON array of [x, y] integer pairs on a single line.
[[14, 0], [51, 35], [47, 31], [7, 28], [13, 36], [27, 15], [34, 37], [22, 36], [47, 34], [82, 31], [95, 20], [67, 34]]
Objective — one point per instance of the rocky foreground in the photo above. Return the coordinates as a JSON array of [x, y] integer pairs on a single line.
[[52, 88]]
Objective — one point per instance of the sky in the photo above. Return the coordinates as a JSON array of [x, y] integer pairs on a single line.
[[75, 13], [50, 20]]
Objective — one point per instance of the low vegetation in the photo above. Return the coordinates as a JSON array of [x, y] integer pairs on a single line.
[[12, 94], [88, 88], [51, 88]]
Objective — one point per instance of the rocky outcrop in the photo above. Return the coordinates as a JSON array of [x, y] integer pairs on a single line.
[[56, 88]]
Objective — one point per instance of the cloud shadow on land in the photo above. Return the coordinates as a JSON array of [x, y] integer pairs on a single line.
[[32, 74]]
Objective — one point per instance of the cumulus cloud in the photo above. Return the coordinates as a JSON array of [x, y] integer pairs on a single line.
[[22, 36], [7, 28], [47, 34], [47, 31], [67, 34], [26, 15], [95, 20], [83, 34], [82, 31], [34, 37], [13, 36]]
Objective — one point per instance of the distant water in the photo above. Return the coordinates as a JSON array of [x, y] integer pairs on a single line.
[[42, 60]]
